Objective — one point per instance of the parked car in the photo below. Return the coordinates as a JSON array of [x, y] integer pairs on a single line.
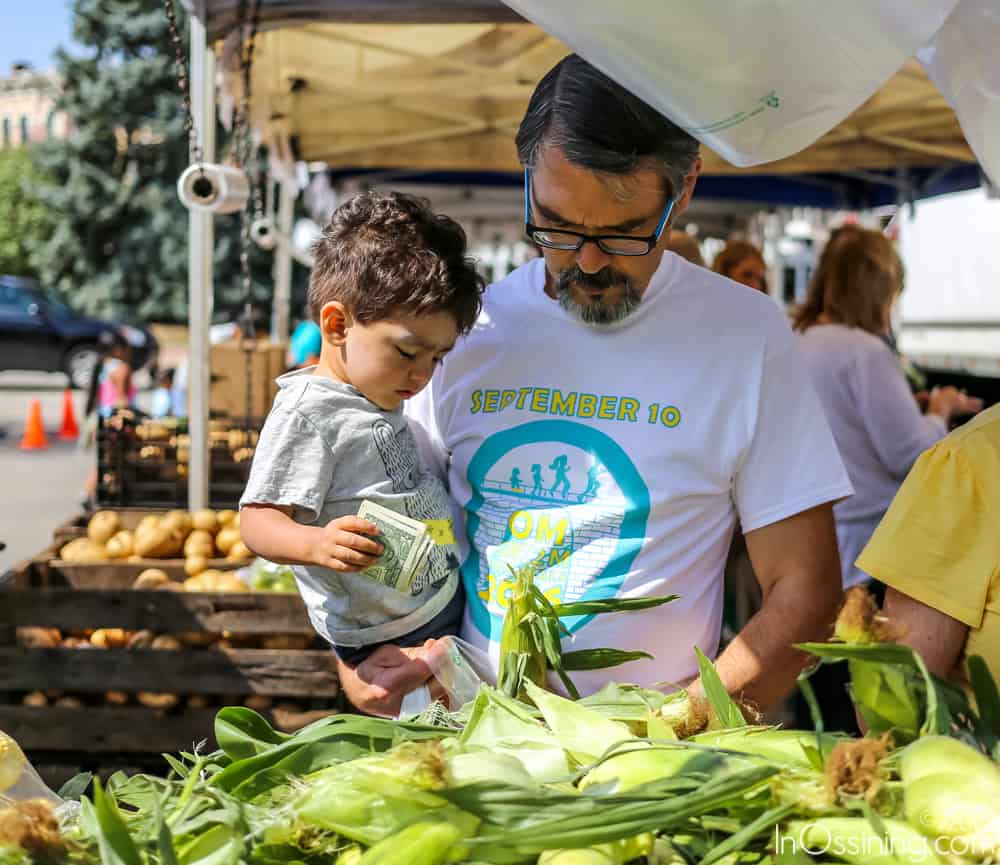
[[39, 332]]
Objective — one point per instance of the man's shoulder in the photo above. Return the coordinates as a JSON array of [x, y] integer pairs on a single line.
[[511, 291], [729, 308]]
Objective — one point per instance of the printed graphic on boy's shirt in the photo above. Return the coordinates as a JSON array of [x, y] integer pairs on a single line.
[[425, 499], [562, 496]]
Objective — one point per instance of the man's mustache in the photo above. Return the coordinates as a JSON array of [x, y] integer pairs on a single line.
[[602, 279]]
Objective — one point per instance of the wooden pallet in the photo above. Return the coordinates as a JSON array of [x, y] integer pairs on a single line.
[[45, 593]]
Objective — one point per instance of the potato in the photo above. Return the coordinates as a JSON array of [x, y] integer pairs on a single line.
[[196, 639], [199, 543], [224, 581], [141, 640], [177, 520], [238, 552], [226, 539], [73, 643], [226, 518], [205, 520], [116, 698], [150, 521], [194, 565], [102, 526], [35, 698], [151, 578], [166, 642], [196, 584], [83, 551], [160, 543], [157, 701], [172, 586], [69, 703], [110, 638], [120, 546], [38, 638]]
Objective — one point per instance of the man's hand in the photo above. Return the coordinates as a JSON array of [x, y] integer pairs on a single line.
[[378, 684], [798, 568], [342, 545]]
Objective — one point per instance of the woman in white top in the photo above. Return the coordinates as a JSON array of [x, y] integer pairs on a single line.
[[875, 419]]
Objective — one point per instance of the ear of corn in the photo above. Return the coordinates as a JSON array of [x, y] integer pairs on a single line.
[[855, 840], [952, 791], [421, 843], [11, 762]]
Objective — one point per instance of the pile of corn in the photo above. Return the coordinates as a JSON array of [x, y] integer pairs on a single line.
[[522, 775]]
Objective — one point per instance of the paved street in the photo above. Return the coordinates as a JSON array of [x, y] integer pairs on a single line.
[[39, 489]]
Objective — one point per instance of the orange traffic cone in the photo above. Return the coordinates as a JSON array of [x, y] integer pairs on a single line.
[[34, 432], [69, 431]]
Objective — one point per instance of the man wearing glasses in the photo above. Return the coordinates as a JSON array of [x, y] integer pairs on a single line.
[[653, 403]]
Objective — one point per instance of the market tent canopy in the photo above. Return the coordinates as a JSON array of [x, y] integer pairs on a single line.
[[451, 96], [402, 94]]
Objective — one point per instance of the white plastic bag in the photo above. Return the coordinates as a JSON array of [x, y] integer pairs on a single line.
[[756, 80], [962, 61], [18, 778], [459, 667]]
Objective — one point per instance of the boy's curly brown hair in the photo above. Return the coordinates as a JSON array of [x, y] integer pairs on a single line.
[[388, 252]]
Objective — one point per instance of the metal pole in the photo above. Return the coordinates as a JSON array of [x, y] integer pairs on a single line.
[[201, 243], [282, 272]]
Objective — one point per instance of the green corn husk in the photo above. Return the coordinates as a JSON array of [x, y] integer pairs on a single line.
[[952, 791], [584, 733], [522, 659], [614, 853], [367, 799], [642, 764], [855, 840], [422, 843], [794, 748]]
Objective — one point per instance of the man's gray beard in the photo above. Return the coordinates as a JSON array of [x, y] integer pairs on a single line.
[[598, 313]]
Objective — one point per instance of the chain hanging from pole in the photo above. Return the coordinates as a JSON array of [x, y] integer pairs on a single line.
[[245, 154], [184, 85]]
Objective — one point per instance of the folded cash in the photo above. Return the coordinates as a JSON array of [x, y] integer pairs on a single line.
[[406, 544]]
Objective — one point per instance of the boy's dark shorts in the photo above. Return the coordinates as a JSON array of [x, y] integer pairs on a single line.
[[446, 623]]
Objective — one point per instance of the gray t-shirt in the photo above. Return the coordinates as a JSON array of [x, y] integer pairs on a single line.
[[323, 450]]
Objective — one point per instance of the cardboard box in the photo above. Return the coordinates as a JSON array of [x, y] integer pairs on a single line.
[[231, 364]]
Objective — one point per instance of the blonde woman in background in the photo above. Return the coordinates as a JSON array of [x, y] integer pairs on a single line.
[[876, 422], [741, 261]]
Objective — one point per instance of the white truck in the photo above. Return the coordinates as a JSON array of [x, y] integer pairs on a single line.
[[949, 313]]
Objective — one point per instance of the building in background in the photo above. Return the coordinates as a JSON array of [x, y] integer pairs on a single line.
[[27, 107]]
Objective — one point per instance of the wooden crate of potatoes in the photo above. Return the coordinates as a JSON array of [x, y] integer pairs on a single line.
[[118, 546], [98, 660]]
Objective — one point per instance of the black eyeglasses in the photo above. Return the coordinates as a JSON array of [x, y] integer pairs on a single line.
[[571, 241]]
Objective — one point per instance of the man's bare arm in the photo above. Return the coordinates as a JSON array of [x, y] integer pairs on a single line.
[[798, 568], [935, 636]]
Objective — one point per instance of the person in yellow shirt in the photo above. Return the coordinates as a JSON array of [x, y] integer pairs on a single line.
[[938, 550]]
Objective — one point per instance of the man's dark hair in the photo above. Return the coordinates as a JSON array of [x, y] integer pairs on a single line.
[[386, 252], [599, 125]]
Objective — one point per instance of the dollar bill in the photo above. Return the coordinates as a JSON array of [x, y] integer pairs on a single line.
[[405, 546]]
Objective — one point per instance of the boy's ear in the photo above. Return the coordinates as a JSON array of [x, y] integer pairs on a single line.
[[334, 321]]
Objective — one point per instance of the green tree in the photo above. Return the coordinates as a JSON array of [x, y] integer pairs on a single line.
[[22, 217], [119, 239]]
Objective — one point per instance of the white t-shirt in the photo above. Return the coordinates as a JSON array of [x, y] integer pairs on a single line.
[[876, 424], [620, 457]]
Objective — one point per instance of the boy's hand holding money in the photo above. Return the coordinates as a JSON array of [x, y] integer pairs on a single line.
[[344, 544]]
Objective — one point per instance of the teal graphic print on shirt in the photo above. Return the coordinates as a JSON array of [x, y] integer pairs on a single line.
[[562, 495]]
